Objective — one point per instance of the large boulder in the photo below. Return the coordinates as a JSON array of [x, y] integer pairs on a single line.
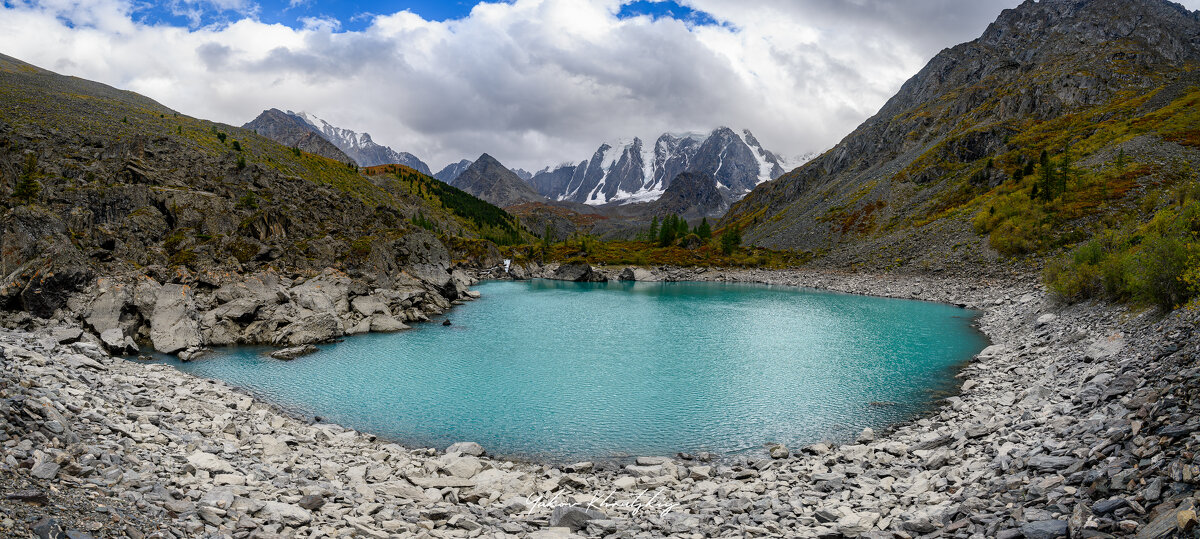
[[327, 292], [420, 254], [117, 342], [386, 323], [106, 311], [370, 305], [174, 324], [312, 329], [578, 271]]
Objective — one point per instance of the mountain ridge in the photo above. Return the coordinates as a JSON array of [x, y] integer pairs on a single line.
[[919, 168]]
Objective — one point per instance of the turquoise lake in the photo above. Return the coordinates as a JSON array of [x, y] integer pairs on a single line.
[[570, 371]]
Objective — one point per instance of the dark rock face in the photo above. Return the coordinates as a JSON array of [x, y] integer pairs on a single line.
[[489, 180], [580, 272], [553, 183], [692, 195], [452, 171], [293, 131], [1036, 62]]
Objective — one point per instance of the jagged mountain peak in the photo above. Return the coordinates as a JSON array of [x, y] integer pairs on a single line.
[[360, 146], [629, 170], [488, 179], [291, 130]]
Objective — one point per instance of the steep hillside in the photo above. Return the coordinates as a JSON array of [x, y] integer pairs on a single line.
[[486, 178], [294, 132], [102, 183], [1106, 88]]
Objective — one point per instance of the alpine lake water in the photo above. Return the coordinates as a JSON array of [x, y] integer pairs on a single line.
[[559, 371]]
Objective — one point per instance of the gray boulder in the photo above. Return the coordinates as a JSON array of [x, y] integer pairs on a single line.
[[580, 272], [327, 292], [1044, 529], [386, 323], [314, 328], [105, 312], [576, 518], [466, 448], [288, 354], [117, 343], [369, 305], [173, 324]]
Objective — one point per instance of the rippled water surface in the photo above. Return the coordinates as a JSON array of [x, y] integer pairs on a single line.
[[556, 370]]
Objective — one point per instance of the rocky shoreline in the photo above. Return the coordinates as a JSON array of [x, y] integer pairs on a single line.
[[1081, 419]]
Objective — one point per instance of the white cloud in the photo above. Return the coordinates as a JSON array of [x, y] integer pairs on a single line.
[[532, 82]]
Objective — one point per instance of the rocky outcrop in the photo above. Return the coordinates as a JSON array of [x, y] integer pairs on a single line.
[[580, 272], [174, 324]]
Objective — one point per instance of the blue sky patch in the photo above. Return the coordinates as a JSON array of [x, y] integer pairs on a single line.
[[355, 15], [667, 9]]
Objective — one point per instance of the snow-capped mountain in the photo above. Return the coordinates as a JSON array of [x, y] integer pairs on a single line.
[[630, 171], [452, 171], [360, 147]]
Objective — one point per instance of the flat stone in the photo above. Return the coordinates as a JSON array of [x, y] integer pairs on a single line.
[[288, 354], [466, 448], [30, 496], [1103, 507], [1044, 529], [312, 502], [285, 513], [46, 470], [573, 517], [210, 463]]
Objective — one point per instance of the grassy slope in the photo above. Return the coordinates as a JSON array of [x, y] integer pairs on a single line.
[[33, 99]]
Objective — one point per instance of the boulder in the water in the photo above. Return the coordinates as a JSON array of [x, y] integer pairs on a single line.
[[288, 354]]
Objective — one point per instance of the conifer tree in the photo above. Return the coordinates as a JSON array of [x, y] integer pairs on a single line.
[[704, 231]]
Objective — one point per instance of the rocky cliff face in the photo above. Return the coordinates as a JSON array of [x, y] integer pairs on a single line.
[[361, 147], [631, 171], [893, 185], [692, 195], [292, 131], [489, 180]]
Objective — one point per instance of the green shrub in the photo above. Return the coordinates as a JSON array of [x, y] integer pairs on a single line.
[[1152, 264], [28, 187], [1160, 270]]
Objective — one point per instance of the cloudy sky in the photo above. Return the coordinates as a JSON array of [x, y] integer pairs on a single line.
[[533, 82]]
